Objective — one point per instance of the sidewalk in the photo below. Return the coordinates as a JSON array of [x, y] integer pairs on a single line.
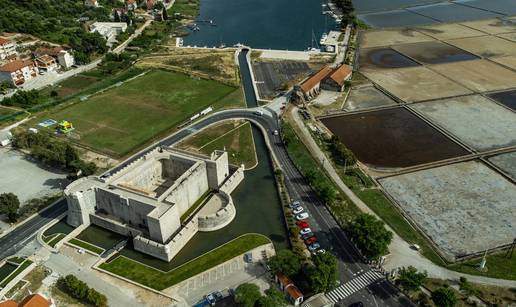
[[401, 252]]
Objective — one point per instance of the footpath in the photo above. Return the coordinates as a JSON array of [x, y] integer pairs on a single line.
[[401, 254]]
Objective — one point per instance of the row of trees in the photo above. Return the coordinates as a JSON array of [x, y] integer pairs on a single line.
[[9, 205], [348, 12], [80, 290], [51, 151], [23, 99]]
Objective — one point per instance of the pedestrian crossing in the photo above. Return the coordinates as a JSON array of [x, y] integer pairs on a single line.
[[354, 285]]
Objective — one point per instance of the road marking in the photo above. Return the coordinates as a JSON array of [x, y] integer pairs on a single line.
[[354, 285]]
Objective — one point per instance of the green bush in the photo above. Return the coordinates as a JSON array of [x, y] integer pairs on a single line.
[[80, 290]]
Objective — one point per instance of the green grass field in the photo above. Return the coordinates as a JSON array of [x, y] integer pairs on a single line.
[[126, 117], [235, 136], [160, 280]]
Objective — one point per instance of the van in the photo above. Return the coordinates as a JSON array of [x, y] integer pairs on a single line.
[[258, 112]]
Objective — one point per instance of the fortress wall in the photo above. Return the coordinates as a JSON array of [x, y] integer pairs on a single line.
[[218, 169], [80, 206], [221, 218], [162, 225], [128, 210], [174, 166], [189, 188], [113, 226], [232, 182], [166, 251]]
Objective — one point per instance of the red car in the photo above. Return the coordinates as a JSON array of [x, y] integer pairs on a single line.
[[310, 240], [302, 224]]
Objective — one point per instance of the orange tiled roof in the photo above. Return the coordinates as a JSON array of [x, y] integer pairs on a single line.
[[283, 279], [341, 74], [131, 1], [35, 300], [9, 303], [311, 82], [294, 292], [15, 65], [45, 59], [53, 51], [4, 41]]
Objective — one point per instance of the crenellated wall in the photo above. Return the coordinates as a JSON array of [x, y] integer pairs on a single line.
[[220, 219]]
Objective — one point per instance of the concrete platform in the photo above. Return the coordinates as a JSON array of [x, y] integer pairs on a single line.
[[392, 37], [476, 120], [416, 83], [485, 46], [448, 31], [506, 162], [478, 75], [465, 208], [492, 26], [285, 55]]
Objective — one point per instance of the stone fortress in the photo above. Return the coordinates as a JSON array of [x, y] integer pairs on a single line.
[[160, 200]]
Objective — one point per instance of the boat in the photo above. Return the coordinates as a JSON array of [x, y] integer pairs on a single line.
[[323, 38]]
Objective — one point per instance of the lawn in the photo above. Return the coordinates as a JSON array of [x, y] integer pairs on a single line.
[[6, 111], [236, 137], [127, 117], [72, 85], [52, 240], [160, 280], [18, 270], [188, 8], [92, 248]]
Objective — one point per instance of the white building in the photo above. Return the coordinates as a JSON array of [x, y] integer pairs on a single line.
[[18, 72], [65, 59], [46, 63], [109, 30], [91, 3], [7, 48], [330, 43]]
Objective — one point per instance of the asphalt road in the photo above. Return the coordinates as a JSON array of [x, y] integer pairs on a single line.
[[12, 242]]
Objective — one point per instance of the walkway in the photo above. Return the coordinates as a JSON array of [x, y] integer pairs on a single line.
[[401, 252]]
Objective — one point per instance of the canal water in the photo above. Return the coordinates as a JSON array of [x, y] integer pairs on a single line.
[[263, 24]]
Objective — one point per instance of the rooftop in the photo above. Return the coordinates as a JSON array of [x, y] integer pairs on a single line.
[[341, 74], [16, 65], [312, 81], [4, 41]]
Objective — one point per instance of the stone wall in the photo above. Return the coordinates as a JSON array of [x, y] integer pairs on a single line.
[[232, 182], [114, 226], [144, 176], [221, 218], [189, 188], [129, 210], [218, 169], [166, 251], [163, 222], [80, 206]]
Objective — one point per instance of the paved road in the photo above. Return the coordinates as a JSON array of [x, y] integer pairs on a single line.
[[12, 242]]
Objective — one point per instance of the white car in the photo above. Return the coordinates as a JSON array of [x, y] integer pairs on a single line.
[[304, 231], [302, 216], [298, 209], [294, 204]]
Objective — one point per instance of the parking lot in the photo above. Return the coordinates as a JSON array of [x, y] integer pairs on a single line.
[[272, 76]]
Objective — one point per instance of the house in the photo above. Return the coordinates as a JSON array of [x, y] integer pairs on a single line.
[[109, 30], [131, 5], [45, 63], [91, 3], [7, 49], [62, 56], [150, 5], [33, 300], [335, 81], [310, 87], [289, 289], [18, 72]]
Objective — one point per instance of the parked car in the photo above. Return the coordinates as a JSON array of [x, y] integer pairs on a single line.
[[298, 210], [302, 216], [321, 251], [302, 224], [211, 299], [306, 230], [308, 235], [310, 240], [294, 204], [313, 247]]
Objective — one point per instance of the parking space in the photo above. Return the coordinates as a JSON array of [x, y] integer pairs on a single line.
[[273, 77]]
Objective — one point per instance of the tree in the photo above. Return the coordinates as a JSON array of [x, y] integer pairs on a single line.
[[247, 294], [164, 14], [410, 279], [286, 262], [323, 274], [444, 297], [9, 204], [273, 298], [370, 235]]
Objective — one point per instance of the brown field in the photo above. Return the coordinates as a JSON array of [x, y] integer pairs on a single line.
[[416, 83], [491, 26], [449, 31], [509, 36], [392, 37], [508, 61], [485, 46], [479, 75]]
